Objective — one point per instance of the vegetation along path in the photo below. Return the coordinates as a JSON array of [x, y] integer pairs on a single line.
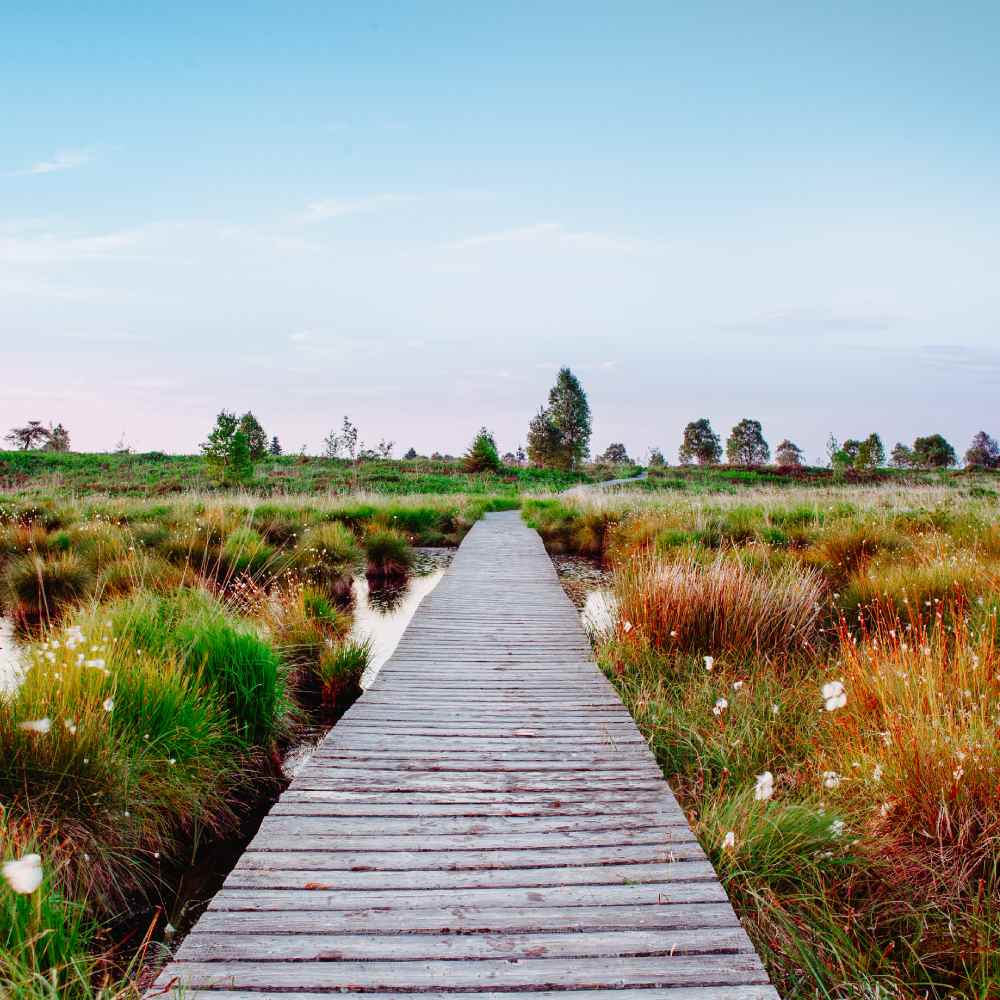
[[485, 819]]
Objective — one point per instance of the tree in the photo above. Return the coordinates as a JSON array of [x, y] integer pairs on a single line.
[[788, 453], [254, 433], [227, 451], [32, 434], [870, 453], [346, 441], [384, 448], [561, 431], [410, 453], [700, 444], [656, 459], [615, 454], [122, 447], [275, 448], [901, 457], [58, 438], [482, 455], [983, 453], [933, 452], [543, 440], [746, 444]]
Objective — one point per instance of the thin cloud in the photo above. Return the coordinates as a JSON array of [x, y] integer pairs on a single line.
[[65, 159], [551, 232], [338, 208]]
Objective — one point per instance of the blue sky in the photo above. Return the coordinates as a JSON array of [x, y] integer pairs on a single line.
[[414, 213]]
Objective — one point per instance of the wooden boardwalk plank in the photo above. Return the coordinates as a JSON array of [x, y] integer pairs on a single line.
[[487, 819]]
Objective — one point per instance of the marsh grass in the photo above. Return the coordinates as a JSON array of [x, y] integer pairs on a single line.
[[388, 554], [870, 860], [684, 606]]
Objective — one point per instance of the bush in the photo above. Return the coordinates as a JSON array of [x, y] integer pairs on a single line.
[[339, 672]]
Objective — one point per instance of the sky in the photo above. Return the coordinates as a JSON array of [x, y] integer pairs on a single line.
[[415, 213]]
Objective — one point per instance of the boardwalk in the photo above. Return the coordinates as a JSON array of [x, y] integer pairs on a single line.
[[486, 819]]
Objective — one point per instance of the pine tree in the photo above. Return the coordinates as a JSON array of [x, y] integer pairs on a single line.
[[275, 448], [482, 455]]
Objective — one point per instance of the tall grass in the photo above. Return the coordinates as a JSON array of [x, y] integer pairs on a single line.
[[724, 606]]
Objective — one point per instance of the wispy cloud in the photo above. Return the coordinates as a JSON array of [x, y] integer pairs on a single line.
[[815, 323], [549, 232], [65, 159], [959, 357], [338, 208]]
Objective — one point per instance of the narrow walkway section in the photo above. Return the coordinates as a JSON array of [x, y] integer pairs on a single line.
[[486, 819]]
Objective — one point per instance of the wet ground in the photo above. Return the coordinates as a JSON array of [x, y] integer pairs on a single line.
[[589, 588]]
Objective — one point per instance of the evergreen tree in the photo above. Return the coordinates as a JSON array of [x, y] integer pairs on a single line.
[[746, 444], [482, 455], [410, 453], [569, 413], [275, 448], [700, 444]]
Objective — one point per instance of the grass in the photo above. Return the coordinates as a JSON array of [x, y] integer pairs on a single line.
[[155, 474], [838, 649], [388, 554]]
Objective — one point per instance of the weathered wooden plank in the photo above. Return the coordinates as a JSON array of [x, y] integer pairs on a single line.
[[270, 947], [282, 876], [644, 893], [742, 992], [593, 973], [471, 920]]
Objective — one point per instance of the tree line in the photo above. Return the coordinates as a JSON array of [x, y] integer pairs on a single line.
[[558, 438]]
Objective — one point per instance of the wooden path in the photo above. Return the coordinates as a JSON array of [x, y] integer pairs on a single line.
[[486, 819]]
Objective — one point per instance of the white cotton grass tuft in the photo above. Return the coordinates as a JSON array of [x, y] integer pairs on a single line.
[[720, 706], [109, 704], [24, 875], [709, 662], [834, 695], [764, 788], [831, 779], [729, 841], [41, 726]]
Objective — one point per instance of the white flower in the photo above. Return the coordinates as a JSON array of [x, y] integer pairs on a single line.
[[831, 779], [673, 633], [720, 706], [837, 828], [729, 841], [775, 708], [709, 662], [834, 696], [737, 685], [627, 627], [25, 875], [109, 704], [36, 725], [877, 773], [764, 788]]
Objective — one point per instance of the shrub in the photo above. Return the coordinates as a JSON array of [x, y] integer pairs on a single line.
[[720, 609], [482, 455], [388, 552]]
